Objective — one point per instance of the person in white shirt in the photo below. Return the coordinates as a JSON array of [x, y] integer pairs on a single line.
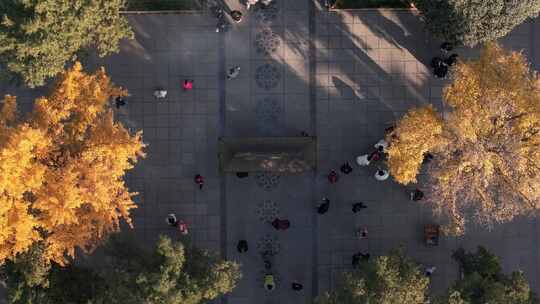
[[233, 72], [381, 144], [362, 160], [160, 93], [430, 270], [381, 175]]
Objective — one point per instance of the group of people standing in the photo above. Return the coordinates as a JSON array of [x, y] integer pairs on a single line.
[[377, 155], [441, 64]]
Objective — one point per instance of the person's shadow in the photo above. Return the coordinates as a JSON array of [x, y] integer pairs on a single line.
[[345, 90]]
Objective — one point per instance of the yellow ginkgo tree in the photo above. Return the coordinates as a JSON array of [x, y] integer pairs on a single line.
[[416, 134], [62, 168], [486, 164]]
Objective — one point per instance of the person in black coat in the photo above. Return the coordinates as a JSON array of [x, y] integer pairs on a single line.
[[242, 246], [324, 207]]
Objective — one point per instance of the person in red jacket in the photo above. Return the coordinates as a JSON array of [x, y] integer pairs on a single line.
[[188, 84], [281, 224], [333, 177]]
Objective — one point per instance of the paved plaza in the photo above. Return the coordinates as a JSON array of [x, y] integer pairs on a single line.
[[340, 76]]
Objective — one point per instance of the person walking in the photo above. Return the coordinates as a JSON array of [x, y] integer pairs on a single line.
[[357, 207], [242, 246], [281, 224], [233, 72], [236, 16], [188, 85], [183, 227], [269, 283], [362, 233], [430, 270], [324, 207], [171, 220], [381, 175], [359, 257], [363, 160], [381, 145], [296, 286], [119, 101], [199, 181], [160, 93], [346, 168], [439, 66], [416, 195], [333, 177], [375, 155]]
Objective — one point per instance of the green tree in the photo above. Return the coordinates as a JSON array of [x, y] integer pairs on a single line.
[[472, 22], [38, 38], [175, 273], [172, 273], [26, 276], [484, 282], [391, 279]]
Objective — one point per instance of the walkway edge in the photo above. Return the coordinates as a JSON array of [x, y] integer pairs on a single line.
[[313, 132]]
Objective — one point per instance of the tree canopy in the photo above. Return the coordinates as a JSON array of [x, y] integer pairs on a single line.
[[173, 273], [62, 168], [474, 22], [410, 142], [483, 281], [391, 279], [38, 38], [487, 155]]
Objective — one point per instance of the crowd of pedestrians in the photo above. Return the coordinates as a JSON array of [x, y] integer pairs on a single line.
[[375, 157], [441, 64]]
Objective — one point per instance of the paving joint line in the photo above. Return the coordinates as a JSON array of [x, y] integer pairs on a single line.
[[313, 130], [222, 177]]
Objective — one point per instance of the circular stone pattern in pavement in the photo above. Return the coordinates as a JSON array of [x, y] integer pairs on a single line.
[[267, 181], [266, 42], [268, 112], [267, 76], [267, 13], [269, 243], [267, 211]]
